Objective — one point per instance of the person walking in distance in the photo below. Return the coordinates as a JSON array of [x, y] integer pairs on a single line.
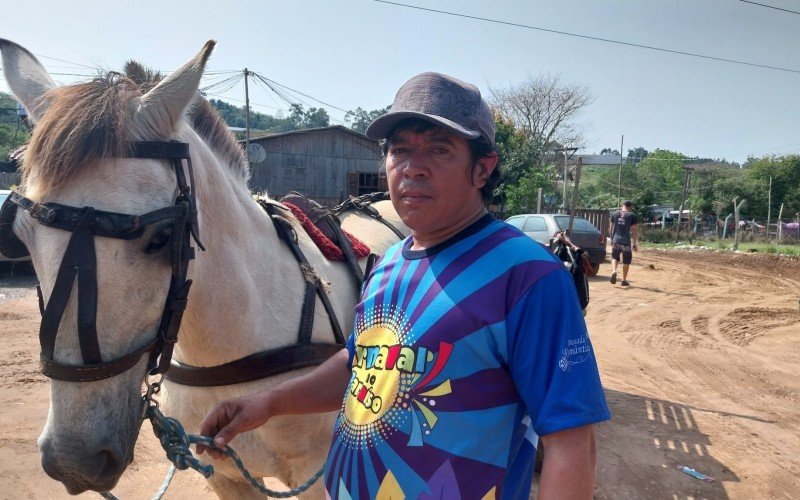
[[624, 237]]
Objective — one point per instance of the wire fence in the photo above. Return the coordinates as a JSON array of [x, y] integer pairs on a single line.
[[785, 231]]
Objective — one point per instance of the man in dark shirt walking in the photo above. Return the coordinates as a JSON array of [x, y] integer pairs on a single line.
[[622, 228]]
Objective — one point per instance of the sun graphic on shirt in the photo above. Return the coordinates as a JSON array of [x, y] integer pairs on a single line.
[[389, 385], [374, 383]]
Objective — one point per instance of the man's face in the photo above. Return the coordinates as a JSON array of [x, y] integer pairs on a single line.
[[430, 180]]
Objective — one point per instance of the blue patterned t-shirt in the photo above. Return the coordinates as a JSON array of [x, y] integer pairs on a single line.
[[461, 355]]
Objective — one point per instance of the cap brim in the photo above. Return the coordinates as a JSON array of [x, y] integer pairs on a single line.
[[381, 126]]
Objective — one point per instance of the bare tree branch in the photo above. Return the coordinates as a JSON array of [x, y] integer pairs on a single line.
[[545, 109]]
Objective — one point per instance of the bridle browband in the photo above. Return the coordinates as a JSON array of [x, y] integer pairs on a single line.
[[79, 261]]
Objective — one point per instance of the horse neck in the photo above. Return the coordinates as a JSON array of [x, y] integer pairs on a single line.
[[376, 235], [247, 289]]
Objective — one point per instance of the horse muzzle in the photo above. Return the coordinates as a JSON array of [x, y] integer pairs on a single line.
[[80, 469]]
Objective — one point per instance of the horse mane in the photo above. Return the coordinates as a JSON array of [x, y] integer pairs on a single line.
[[92, 120]]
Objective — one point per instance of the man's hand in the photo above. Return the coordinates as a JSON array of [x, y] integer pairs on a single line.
[[635, 247], [231, 417], [324, 387]]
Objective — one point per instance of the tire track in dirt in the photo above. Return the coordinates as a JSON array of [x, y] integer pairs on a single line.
[[743, 325], [709, 333]]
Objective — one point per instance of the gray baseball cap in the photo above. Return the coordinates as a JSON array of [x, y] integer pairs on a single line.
[[450, 103]]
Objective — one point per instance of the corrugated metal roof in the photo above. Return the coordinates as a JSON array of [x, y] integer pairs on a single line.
[[598, 159], [339, 128]]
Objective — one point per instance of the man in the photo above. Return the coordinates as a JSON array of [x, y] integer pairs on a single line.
[[469, 340], [624, 236]]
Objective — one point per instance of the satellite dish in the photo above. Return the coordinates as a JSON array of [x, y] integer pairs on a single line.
[[256, 153]]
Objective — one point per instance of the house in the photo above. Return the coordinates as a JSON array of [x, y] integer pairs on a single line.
[[326, 164]]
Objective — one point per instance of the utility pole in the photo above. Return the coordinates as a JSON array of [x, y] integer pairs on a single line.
[[736, 208], [247, 116], [564, 195], [683, 201], [575, 195], [769, 205], [566, 178], [619, 172], [539, 201]]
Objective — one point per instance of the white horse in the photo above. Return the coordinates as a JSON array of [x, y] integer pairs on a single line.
[[247, 290]]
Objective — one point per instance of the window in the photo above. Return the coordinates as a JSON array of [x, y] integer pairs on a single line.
[[516, 221], [578, 224], [534, 224], [294, 178], [367, 183], [359, 183]]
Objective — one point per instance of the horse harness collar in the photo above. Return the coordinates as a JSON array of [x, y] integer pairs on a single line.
[[79, 260], [282, 359], [304, 353]]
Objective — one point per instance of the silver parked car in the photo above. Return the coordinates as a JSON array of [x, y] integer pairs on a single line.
[[542, 227]]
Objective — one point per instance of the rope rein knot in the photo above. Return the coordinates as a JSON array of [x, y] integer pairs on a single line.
[[176, 443]]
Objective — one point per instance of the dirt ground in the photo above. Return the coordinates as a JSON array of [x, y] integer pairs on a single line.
[[700, 359]]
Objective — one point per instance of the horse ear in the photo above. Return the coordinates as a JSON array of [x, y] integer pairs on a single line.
[[163, 107], [26, 77]]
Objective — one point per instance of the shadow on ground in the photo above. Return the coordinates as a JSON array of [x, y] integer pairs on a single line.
[[645, 440]]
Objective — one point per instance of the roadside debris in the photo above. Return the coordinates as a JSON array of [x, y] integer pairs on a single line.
[[694, 473]]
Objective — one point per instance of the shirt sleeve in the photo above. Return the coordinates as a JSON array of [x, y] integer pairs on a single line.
[[551, 357]]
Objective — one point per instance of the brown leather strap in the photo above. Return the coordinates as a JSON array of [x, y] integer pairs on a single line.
[[253, 367], [89, 373], [343, 242]]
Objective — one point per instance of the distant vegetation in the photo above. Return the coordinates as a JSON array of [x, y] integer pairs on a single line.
[[12, 132], [534, 120], [260, 123]]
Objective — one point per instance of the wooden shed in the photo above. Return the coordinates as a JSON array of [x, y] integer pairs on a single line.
[[327, 164]]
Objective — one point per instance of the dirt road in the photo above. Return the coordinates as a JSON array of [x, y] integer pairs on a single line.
[[700, 358]]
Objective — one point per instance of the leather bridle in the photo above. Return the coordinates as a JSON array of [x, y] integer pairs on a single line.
[[79, 261]]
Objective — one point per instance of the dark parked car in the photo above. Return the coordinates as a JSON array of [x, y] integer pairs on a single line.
[[542, 227], [4, 193]]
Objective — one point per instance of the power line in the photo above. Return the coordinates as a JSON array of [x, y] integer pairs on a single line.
[[62, 60], [770, 7], [301, 93], [589, 37], [242, 100]]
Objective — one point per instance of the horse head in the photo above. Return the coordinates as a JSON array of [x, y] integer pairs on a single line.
[[80, 155]]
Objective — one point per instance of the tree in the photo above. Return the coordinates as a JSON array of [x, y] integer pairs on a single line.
[[518, 153], [638, 153], [313, 118], [359, 118], [521, 197], [13, 133], [785, 174], [609, 151], [545, 110]]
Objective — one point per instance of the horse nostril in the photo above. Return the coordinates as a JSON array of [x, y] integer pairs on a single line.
[[109, 463]]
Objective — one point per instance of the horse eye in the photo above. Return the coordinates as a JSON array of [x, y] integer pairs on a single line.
[[159, 241]]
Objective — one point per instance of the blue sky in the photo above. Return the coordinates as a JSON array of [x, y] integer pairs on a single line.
[[358, 52]]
